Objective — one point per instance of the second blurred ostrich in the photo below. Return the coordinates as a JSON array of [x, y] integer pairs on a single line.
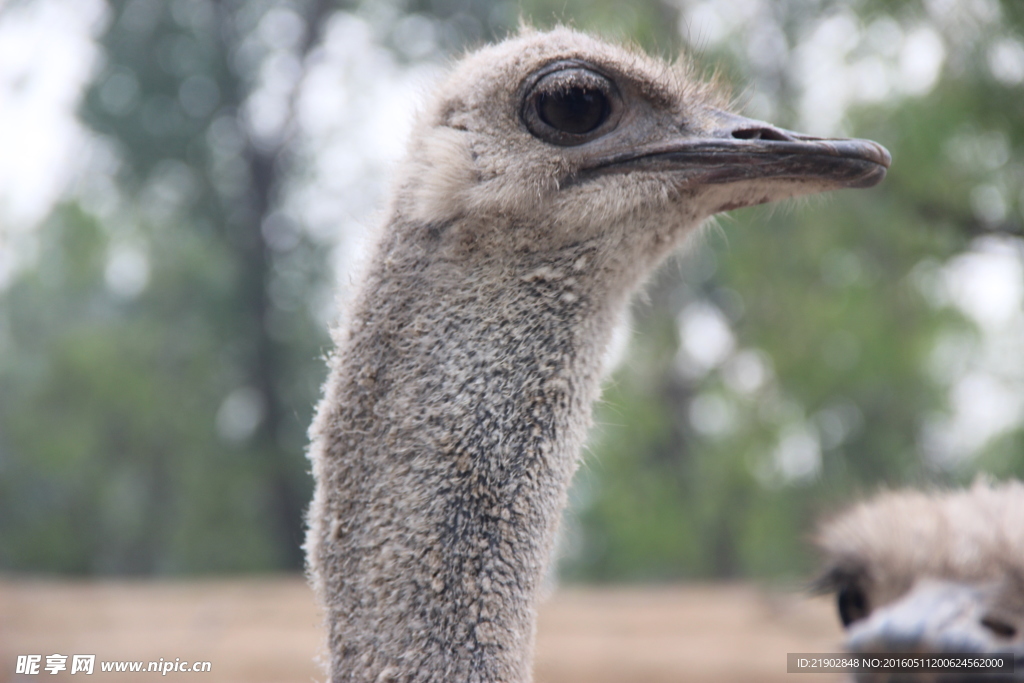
[[938, 572], [548, 178]]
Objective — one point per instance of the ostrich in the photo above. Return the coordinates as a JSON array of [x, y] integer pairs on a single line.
[[932, 572], [551, 173]]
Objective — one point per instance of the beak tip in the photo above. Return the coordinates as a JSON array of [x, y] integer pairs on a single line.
[[873, 157], [884, 158]]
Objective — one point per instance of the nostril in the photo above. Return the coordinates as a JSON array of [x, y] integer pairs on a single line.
[[763, 133], [999, 627]]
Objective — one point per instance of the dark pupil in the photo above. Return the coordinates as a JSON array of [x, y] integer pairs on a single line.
[[853, 605], [575, 110]]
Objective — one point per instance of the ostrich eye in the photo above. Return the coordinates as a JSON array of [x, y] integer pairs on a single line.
[[571, 105], [853, 604], [1001, 627], [575, 111]]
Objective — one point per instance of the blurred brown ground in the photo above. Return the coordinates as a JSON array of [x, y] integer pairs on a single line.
[[266, 630]]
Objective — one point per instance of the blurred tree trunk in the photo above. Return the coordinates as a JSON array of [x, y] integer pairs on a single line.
[[267, 165], [164, 49]]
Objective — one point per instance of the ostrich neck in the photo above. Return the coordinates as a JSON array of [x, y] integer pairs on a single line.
[[450, 429]]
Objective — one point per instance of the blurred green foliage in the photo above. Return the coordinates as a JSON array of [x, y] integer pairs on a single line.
[[161, 429]]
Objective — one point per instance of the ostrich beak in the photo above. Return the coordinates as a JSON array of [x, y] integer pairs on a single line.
[[939, 617], [729, 149]]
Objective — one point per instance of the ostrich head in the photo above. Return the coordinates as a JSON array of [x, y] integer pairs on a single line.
[[553, 139], [938, 572]]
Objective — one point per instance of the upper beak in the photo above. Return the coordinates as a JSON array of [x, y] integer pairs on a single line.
[[733, 148]]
